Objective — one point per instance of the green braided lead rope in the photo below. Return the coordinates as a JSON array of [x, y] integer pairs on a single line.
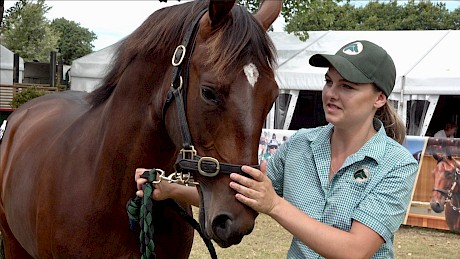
[[140, 212], [147, 229]]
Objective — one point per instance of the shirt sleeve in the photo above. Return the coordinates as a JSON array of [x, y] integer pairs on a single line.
[[385, 207]]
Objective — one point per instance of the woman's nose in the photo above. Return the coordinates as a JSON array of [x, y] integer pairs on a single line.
[[330, 91]]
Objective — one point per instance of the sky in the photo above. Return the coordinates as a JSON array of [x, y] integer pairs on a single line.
[[111, 21]]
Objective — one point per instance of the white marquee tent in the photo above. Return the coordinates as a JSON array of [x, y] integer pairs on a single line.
[[427, 64], [88, 71], [6, 66]]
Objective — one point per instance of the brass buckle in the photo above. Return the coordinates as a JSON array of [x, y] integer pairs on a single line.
[[209, 159], [179, 48], [191, 152]]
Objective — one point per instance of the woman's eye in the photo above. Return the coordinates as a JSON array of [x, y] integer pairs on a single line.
[[209, 95]]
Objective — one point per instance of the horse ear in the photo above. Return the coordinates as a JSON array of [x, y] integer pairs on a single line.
[[219, 10], [268, 12]]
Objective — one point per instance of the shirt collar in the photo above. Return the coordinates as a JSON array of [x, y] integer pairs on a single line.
[[374, 148]]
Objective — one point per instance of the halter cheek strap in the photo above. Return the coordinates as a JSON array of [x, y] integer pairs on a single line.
[[179, 84]]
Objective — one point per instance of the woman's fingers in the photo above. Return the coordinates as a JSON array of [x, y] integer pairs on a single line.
[[256, 174], [139, 181], [138, 173]]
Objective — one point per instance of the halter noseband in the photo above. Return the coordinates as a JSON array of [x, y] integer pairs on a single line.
[[188, 160]]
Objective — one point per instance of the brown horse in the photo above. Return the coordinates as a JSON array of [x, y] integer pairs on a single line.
[[68, 160], [446, 190]]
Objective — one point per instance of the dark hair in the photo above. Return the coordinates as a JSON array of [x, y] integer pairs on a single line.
[[450, 126]]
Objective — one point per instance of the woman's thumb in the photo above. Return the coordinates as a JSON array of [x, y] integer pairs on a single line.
[[263, 166]]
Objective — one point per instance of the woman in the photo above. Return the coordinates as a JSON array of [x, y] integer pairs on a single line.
[[342, 189]]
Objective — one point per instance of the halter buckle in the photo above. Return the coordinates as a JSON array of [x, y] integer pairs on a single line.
[[180, 50], [208, 159], [190, 152]]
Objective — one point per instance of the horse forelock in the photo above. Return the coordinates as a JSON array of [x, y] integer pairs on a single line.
[[233, 44], [237, 42], [155, 39]]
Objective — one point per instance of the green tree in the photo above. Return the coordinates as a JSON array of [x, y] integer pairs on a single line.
[[319, 15], [75, 41], [26, 31]]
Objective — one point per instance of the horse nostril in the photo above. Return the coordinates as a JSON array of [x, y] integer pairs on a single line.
[[436, 206], [222, 228]]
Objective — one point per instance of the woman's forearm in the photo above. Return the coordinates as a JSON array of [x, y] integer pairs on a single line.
[[186, 194]]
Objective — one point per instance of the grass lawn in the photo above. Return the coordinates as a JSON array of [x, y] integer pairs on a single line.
[[270, 241]]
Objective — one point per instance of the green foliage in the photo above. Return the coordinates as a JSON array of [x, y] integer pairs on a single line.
[[27, 32], [321, 15], [26, 95], [75, 41]]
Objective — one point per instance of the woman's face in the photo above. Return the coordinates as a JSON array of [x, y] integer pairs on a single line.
[[347, 104]]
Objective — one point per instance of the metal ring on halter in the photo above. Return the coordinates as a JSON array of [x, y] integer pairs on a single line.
[[182, 50], [209, 159], [181, 82]]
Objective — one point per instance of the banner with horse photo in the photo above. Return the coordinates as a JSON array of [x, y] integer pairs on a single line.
[[436, 197], [270, 140]]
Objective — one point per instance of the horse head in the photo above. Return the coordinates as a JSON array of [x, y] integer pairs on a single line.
[[446, 177], [229, 91]]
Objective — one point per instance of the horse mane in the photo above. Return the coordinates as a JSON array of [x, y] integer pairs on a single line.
[[232, 44]]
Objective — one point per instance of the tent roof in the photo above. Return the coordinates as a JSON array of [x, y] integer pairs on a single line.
[[439, 71], [426, 61], [94, 65], [409, 50]]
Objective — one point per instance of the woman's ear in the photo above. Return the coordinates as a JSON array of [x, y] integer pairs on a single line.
[[381, 100]]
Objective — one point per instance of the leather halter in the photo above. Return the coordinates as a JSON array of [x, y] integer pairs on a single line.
[[449, 193], [187, 160]]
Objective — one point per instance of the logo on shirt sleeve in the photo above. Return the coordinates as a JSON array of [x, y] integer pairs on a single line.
[[361, 175]]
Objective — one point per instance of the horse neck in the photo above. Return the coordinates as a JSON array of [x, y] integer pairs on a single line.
[[131, 120]]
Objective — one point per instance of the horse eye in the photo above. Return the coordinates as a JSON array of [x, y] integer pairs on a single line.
[[209, 95], [448, 174]]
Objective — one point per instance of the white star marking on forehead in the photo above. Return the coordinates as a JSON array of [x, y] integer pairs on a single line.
[[252, 74]]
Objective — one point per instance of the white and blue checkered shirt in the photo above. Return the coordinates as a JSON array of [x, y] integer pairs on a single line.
[[299, 171]]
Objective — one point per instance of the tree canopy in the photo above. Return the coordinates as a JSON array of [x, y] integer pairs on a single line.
[[26, 31], [319, 15], [74, 41]]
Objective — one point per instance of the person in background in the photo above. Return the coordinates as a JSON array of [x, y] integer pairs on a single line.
[[262, 148], [448, 131], [342, 190], [272, 146]]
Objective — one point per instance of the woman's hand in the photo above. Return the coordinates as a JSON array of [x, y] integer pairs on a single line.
[[140, 181], [162, 191], [257, 193]]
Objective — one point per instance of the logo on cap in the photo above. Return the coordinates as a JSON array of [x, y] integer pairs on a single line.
[[361, 175], [353, 48]]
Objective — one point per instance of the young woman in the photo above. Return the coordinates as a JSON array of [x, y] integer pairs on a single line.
[[342, 189]]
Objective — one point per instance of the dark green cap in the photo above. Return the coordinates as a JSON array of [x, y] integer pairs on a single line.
[[361, 62]]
